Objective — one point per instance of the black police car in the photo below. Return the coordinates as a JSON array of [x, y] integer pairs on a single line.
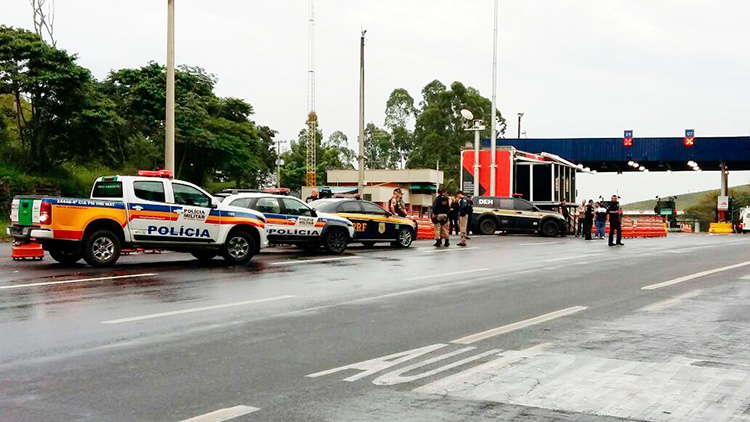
[[514, 215], [372, 224]]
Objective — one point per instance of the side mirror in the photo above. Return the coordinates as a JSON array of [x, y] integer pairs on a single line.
[[313, 212], [214, 203], [388, 214]]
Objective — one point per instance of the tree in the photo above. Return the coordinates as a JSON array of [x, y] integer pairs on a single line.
[[439, 135], [44, 20], [400, 113], [331, 154], [380, 152]]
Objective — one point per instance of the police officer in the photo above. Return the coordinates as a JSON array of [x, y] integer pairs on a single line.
[[440, 210], [614, 222], [464, 207], [588, 219], [396, 205], [314, 196]]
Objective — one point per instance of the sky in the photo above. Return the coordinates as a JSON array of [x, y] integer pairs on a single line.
[[575, 68]]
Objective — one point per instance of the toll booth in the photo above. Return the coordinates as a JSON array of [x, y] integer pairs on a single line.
[[544, 179]]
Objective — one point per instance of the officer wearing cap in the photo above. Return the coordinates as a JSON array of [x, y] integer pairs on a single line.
[[614, 222]]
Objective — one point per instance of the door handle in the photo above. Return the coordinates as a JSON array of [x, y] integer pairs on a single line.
[[519, 212], [138, 208]]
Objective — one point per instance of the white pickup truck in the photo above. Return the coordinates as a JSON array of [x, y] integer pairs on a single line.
[[149, 211]]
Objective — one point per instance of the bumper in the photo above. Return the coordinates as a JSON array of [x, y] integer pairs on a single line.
[[351, 232], [263, 239], [42, 234]]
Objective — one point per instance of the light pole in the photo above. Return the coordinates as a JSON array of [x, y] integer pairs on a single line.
[[475, 125], [493, 122], [169, 139], [519, 124], [279, 163], [361, 160]]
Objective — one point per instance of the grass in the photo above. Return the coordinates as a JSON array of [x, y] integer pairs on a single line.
[[685, 201]]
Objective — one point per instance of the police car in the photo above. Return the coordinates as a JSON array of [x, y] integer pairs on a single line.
[[514, 215], [291, 221], [372, 224]]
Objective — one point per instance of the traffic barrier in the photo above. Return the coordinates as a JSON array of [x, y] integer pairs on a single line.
[[721, 228], [425, 229], [640, 226], [24, 251]]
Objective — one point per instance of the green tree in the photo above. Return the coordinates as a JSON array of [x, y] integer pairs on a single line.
[[331, 154], [400, 114], [380, 152]]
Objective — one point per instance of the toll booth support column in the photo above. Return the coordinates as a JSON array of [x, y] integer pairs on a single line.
[[724, 188]]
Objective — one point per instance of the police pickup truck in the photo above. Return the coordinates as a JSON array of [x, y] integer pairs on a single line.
[[150, 211], [514, 215], [291, 221]]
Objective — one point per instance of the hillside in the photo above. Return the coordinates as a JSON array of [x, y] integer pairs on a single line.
[[684, 201]]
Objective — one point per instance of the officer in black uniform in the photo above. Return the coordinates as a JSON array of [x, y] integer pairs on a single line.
[[614, 222], [588, 219]]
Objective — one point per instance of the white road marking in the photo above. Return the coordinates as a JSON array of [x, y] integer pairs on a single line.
[[540, 243], [567, 258], [192, 310], [664, 304], [223, 414], [518, 325], [425, 277], [307, 261], [747, 277], [693, 276], [80, 280], [458, 248]]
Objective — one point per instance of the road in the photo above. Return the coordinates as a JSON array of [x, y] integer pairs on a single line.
[[512, 328]]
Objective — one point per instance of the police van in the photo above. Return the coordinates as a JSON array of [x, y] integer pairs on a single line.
[[291, 221], [514, 215]]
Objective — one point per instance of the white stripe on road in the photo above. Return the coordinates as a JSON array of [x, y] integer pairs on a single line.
[[664, 304], [747, 277], [192, 310], [540, 243], [307, 261], [693, 276], [80, 280], [425, 277], [518, 325], [223, 414], [567, 258], [457, 248]]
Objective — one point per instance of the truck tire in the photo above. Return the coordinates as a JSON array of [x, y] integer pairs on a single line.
[[239, 247], [67, 256], [550, 229], [204, 256], [404, 238], [487, 226], [101, 248], [336, 240]]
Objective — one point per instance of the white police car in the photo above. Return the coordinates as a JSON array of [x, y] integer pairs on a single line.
[[291, 221]]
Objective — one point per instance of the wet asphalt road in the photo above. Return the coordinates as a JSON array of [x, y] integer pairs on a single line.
[[164, 338]]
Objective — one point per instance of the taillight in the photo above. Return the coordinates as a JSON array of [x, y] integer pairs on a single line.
[[45, 213]]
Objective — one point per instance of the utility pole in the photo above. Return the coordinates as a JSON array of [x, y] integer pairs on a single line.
[[169, 140], [493, 122], [278, 163], [519, 124], [361, 179]]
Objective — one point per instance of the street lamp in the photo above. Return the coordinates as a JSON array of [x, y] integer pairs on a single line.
[[475, 125], [169, 129], [519, 124]]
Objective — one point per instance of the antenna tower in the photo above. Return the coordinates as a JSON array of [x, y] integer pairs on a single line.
[[311, 175]]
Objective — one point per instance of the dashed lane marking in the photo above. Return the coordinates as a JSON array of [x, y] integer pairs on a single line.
[[80, 280], [425, 277], [747, 277], [223, 414], [519, 325], [567, 258], [694, 276], [308, 261], [664, 304], [193, 310]]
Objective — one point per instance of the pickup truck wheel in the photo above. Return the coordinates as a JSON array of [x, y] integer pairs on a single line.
[[336, 240], [550, 229], [487, 226], [239, 247], [204, 256], [67, 256], [101, 248]]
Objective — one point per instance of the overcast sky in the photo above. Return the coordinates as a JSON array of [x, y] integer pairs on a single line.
[[576, 68]]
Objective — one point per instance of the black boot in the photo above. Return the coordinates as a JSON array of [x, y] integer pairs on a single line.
[[439, 243], [447, 243]]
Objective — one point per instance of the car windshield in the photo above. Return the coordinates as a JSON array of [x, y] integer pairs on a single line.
[[324, 206]]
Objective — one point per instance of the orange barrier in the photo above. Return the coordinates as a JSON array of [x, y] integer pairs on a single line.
[[425, 229], [640, 226], [31, 250]]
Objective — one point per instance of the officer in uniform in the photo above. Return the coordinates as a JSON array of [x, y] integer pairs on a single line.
[[440, 210], [396, 205], [314, 196], [614, 222], [588, 219], [464, 207]]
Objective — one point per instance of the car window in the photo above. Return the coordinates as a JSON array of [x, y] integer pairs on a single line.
[[371, 208], [149, 191], [268, 205], [350, 206], [324, 206], [188, 195], [107, 190], [295, 207], [521, 205], [241, 202], [506, 204]]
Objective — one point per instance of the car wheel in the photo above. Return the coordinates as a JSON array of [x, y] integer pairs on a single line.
[[204, 256], [101, 249], [404, 239], [67, 256], [336, 241], [238, 248], [368, 244], [550, 229], [487, 226]]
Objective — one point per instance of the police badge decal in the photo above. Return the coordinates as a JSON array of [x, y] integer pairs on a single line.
[[381, 228]]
